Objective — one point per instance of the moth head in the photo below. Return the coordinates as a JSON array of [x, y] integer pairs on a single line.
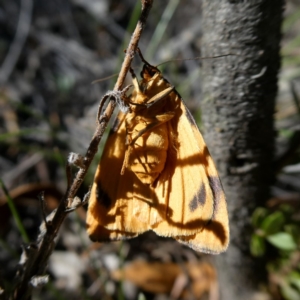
[[148, 72]]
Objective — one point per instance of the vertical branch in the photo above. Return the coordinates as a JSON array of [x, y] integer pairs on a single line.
[[146, 6], [238, 108]]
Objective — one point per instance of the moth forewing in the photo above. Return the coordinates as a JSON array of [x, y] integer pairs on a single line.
[[156, 174]]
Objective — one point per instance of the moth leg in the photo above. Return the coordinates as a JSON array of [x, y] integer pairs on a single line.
[[135, 80], [155, 99], [138, 50], [126, 159]]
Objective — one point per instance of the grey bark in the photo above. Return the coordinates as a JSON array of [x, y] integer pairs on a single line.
[[237, 109]]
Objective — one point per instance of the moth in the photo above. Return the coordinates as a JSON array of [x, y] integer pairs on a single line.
[[156, 173]]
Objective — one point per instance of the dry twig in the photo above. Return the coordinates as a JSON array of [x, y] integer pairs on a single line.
[[35, 256], [19, 40]]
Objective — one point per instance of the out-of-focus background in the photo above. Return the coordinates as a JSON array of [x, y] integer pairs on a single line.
[[50, 53]]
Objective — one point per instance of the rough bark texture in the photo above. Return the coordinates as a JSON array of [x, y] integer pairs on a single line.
[[238, 108]]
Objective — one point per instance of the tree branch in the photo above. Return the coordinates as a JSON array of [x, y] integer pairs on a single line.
[[35, 256]]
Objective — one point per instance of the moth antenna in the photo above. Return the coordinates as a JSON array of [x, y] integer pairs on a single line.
[[138, 50], [105, 78], [196, 58]]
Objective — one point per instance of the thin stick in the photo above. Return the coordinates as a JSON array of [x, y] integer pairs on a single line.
[[18, 42], [39, 253]]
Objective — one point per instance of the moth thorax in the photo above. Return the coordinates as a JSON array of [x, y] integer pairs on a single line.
[[149, 154], [140, 99]]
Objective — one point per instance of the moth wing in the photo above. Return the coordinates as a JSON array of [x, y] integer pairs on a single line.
[[214, 238], [208, 199], [115, 198], [186, 202], [196, 207]]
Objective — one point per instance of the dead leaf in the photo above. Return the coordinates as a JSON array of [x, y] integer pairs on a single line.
[[169, 278]]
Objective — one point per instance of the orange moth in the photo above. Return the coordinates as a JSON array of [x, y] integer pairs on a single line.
[[156, 174]]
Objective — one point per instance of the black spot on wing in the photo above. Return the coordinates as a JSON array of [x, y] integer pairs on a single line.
[[199, 199], [102, 196], [217, 190]]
